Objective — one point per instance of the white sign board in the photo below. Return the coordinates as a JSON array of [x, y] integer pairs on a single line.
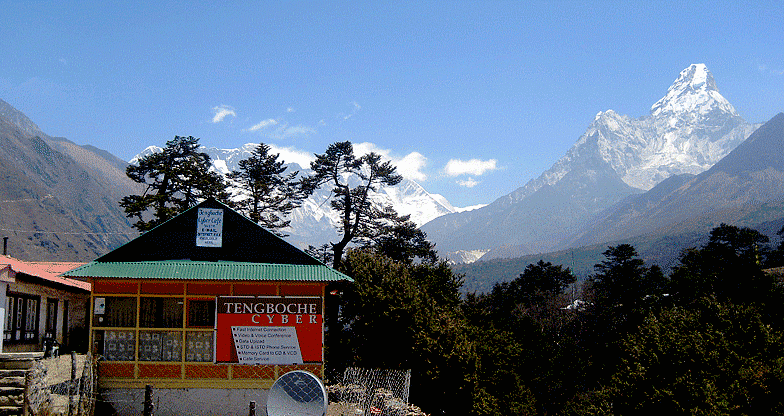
[[209, 227], [100, 306], [266, 344]]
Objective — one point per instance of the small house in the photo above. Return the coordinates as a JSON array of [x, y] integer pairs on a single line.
[[41, 308], [209, 308]]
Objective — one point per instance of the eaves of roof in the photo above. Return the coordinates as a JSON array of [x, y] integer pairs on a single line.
[[48, 272], [208, 270]]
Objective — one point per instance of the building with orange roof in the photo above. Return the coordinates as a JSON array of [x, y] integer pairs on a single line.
[[41, 307]]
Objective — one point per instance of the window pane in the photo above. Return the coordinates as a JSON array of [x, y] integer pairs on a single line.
[[161, 313], [51, 318], [119, 312], [31, 319], [160, 346], [9, 313], [51, 315], [198, 346], [201, 313], [19, 312], [118, 345]]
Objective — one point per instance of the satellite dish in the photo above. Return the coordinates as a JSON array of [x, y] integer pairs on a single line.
[[297, 393]]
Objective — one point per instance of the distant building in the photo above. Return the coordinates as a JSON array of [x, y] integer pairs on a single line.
[[209, 308], [41, 307]]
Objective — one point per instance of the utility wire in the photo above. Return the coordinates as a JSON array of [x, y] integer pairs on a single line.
[[62, 232], [52, 232]]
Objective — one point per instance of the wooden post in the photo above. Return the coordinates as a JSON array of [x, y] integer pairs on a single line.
[[252, 410], [148, 400], [72, 386]]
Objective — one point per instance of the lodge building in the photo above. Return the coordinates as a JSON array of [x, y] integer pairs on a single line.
[[159, 315]]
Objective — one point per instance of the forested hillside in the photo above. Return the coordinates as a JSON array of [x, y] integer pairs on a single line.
[[706, 337]]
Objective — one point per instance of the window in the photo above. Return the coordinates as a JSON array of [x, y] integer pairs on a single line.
[[201, 313], [119, 346], [160, 313], [198, 346], [170, 328], [51, 319], [118, 312], [9, 317], [66, 333], [21, 318], [160, 345]]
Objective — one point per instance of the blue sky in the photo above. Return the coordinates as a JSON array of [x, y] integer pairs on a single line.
[[471, 99]]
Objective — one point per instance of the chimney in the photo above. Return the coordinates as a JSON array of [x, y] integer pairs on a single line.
[[5, 246]]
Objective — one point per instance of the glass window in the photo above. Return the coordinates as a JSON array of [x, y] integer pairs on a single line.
[[9, 317], [160, 346], [119, 312], [198, 346], [119, 345], [20, 309], [51, 319], [21, 318], [161, 313], [201, 313]]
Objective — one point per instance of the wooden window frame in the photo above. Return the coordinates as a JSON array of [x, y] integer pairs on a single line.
[[17, 331], [188, 301], [50, 325]]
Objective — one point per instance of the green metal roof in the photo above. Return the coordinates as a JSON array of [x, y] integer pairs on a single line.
[[208, 270]]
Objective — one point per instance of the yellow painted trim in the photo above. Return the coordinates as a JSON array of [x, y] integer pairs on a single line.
[[182, 381]]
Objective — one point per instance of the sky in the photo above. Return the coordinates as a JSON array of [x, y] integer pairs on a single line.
[[469, 99]]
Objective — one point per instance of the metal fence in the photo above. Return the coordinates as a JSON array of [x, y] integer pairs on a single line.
[[64, 385], [373, 391]]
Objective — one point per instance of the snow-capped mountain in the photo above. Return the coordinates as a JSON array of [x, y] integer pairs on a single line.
[[314, 223], [744, 188], [687, 131]]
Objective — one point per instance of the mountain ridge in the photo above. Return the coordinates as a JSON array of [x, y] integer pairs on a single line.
[[752, 174], [59, 199], [688, 130]]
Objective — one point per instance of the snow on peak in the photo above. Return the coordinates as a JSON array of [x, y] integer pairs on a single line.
[[147, 151], [693, 92], [696, 75], [688, 130], [314, 222]]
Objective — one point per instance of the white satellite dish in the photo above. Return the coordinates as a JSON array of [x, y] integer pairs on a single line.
[[297, 393]]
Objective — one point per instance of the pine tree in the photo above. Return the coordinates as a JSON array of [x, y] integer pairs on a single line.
[[266, 194], [352, 179], [177, 178]]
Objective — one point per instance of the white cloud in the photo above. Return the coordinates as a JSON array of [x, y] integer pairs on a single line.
[[290, 110], [221, 112], [364, 148], [410, 165], [297, 131], [263, 124], [354, 111], [769, 71], [456, 167], [290, 154], [468, 183]]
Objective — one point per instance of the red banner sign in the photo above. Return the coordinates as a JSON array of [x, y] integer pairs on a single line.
[[269, 330]]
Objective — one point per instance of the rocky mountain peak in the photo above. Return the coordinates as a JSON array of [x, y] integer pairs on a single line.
[[694, 92], [689, 129]]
